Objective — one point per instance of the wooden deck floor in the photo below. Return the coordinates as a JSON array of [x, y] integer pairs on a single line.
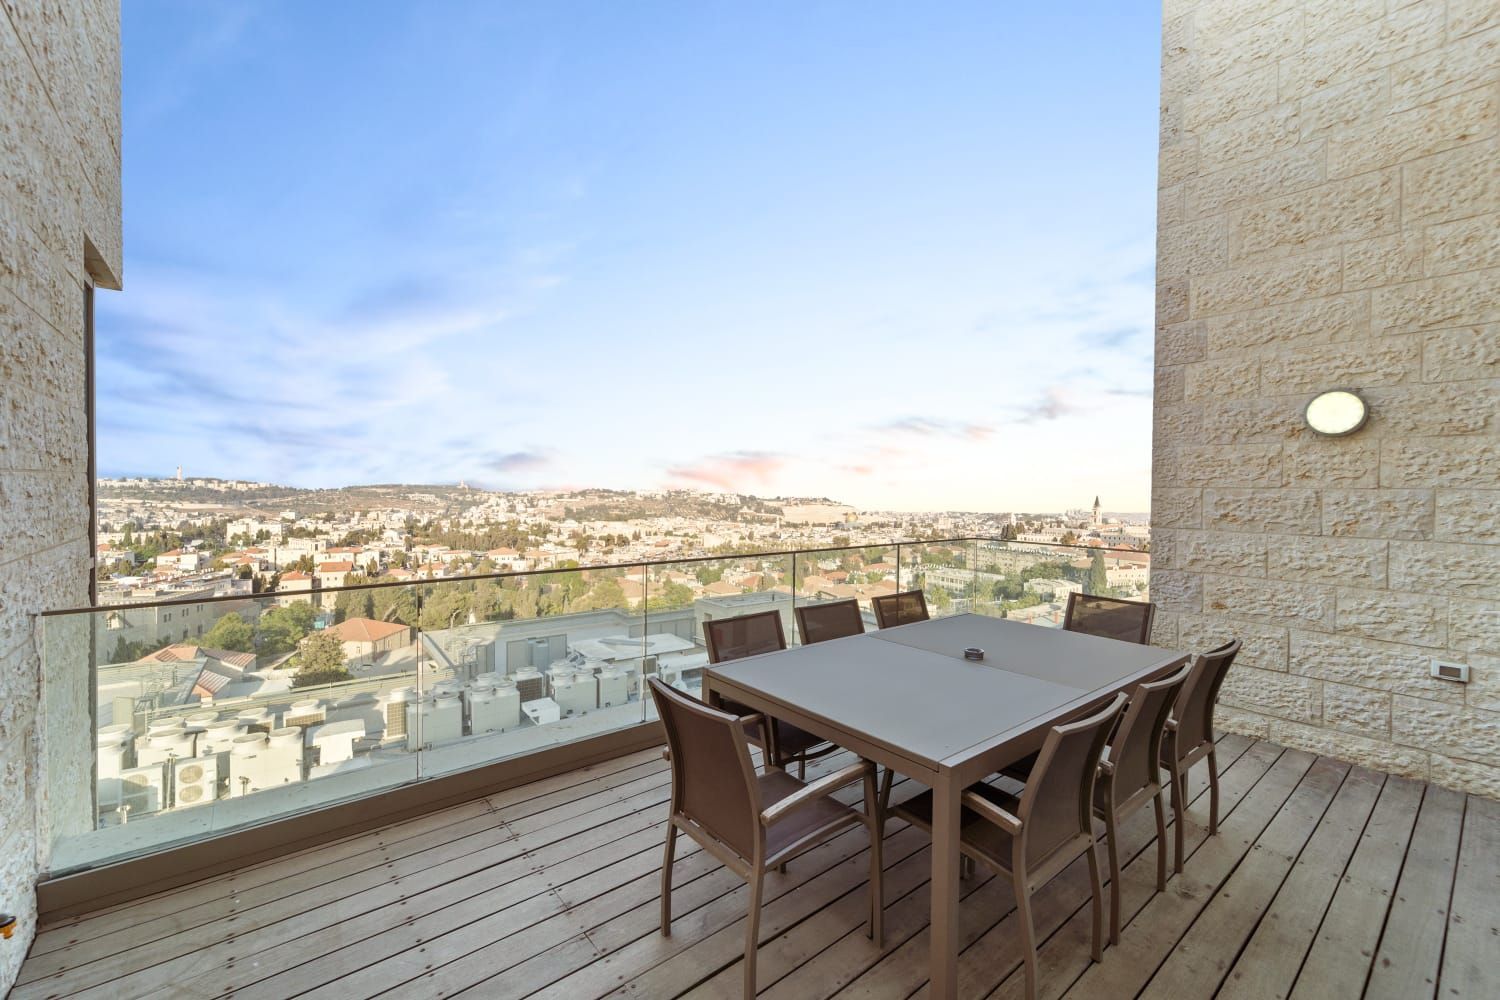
[[1325, 882]]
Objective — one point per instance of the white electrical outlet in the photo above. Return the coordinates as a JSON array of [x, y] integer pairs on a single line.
[[1449, 671]]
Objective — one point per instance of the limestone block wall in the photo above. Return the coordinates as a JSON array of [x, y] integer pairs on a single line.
[[59, 231], [1329, 217]]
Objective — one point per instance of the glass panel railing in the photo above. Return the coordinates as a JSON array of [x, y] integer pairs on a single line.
[[943, 571], [214, 715], [681, 596], [175, 721], [860, 573], [516, 664]]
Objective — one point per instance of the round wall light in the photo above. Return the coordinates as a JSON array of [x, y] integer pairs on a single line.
[[1336, 413]]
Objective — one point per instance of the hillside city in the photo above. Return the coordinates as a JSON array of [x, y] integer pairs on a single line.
[[252, 638]]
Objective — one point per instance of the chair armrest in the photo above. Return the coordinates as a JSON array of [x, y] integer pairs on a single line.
[[819, 789], [984, 807]]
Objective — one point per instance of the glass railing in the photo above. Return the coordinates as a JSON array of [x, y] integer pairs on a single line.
[[175, 721]]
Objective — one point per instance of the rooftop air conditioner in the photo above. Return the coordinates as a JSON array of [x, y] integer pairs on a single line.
[[195, 781]]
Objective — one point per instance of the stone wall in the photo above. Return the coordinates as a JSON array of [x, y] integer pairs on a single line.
[[1329, 217], [59, 230]]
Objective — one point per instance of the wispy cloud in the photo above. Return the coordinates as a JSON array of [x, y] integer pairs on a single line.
[[733, 471], [931, 426]]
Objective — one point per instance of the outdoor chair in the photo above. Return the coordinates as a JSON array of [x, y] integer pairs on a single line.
[[1129, 777], [834, 620], [1034, 838], [749, 635], [1190, 736], [899, 609], [1110, 617], [752, 823]]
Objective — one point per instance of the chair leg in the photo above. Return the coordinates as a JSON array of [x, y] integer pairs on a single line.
[[877, 864], [965, 867], [752, 931], [1097, 950], [886, 780], [666, 881], [801, 768], [1179, 815], [1114, 878], [1161, 842], [1028, 932], [1213, 792]]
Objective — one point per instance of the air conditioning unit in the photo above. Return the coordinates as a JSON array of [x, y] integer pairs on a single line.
[[256, 720], [304, 713], [531, 683], [172, 744], [494, 709], [334, 741], [614, 687], [195, 781], [395, 712], [218, 736], [143, 789], [434, 720], [575, 694]]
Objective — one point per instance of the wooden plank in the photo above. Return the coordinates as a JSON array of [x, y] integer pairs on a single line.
[[330, 862], [1411, 947], [1272, 904], [1339, 962], [1471, 967], [1202, 957], [1269, 964], [1154, 932], [1061, 910], [291, 916], [450, 961], [630, 945]]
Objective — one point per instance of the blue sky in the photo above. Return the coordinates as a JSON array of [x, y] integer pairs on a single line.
[[896, 254]]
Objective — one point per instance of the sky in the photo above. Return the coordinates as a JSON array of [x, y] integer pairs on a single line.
[[898, 255]]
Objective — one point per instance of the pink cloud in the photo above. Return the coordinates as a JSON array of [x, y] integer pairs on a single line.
[[731, 471]]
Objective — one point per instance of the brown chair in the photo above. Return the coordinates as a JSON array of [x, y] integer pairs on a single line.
[[834, 620], [1034, 838], [1110, 617], [749, 635], [752, 823], [1190, 736], [899, 609], [1130, 776]]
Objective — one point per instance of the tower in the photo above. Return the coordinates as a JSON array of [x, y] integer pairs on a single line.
[[1096, 512]]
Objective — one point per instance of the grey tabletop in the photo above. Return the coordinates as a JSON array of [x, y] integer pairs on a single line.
[[911, 689]]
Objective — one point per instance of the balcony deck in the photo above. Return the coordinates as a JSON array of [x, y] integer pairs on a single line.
[[1326, 881]]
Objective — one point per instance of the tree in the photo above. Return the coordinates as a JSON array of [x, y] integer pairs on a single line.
[[232, 633], [322, 661], [709, 573], [282, 628], [1068, 538], [1098, 577]]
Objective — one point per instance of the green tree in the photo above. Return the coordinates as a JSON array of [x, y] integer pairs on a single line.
[[709, 573], [231, 632], [1098, 582], [321, 661], [281, 629]]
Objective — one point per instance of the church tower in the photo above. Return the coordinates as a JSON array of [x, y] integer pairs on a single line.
[[1097, 522]]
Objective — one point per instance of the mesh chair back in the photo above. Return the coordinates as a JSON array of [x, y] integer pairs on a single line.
[[1136, 747], [745, 635], [1195, 706], [1110, 617], [713, 783], [900, 609], [1058, 803], [834, 620]]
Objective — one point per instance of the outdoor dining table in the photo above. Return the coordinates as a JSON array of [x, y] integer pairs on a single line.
[[907, 699]]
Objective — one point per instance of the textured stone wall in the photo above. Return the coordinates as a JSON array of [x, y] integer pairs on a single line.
[[1329, 217], [59, 229]]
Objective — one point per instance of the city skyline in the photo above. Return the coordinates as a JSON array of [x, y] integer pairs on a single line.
[[616, 261]]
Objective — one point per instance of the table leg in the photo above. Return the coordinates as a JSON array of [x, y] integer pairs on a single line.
[[943, 945]]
